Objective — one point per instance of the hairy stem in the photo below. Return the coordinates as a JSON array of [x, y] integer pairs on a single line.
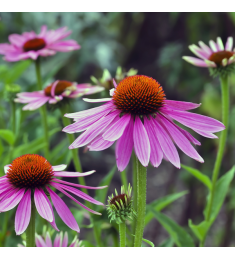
[[122, 234]]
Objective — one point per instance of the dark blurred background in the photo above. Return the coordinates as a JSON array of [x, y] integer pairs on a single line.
[[152, 43]]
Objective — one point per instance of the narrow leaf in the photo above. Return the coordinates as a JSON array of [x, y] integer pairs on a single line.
[[7, 135]]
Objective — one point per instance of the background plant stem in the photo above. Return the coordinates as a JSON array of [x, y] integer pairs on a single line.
[[30, 231], [42, 109], [124, 179], [222, 143], [122, 234], [134, 186], [141, 202]]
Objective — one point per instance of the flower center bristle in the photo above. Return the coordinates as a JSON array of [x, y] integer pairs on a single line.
[[118, 199], [59, 89], [34, 44], [30, 171], [139, 95], [217, 57]]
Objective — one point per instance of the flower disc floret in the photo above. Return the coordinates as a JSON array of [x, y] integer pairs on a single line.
[[218, 57], [34, 45], [61, 86], [30, 171], [139, 95]]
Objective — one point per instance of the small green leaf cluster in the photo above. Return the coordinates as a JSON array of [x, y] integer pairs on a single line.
[[221, 71], [120, 206]]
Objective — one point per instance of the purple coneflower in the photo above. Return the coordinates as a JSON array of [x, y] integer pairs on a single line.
[[138, 115], [28, 178], [57, 91], [214, 56], [29, 45]]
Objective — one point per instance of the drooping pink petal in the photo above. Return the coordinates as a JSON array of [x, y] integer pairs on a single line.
[[53, 88], [206, 134], [182, 142], [198, 51], [166, 144], [114, 83], [94, 130], [53, 224], [23, 213], [39, 241], [10, 203], [195, 121], [156, 154], [58, 168], [116, 130], [181, 105], [42, 205], [17, 40], [79, 185], [141, 142], [124, 146], [64, 46], [66, 240], [99, 144], [195, 61], [63, 211], [48, 240], [58, 240], [72, 174], [58, 187], [205, 48], [97, 100], [7, 193]]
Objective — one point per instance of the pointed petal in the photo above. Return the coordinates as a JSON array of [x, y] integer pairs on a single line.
[[39, 241], [23, 213], [48, 240], [195, 61], [97, 100], [58, 168], [205, 48], [213, 46], [181, 105], [63, 211], [229, 44], [66, 240], [141, 142], [10, 203], [220, 44]]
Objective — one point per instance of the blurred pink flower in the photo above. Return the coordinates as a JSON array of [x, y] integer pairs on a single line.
[[138, 116], [214, 56], [54, 93], [29, 176], [29, 45]]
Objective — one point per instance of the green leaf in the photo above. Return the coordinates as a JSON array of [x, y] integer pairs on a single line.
[[199, 230], [148, 242], [167, 243], [33, 146], [177, 233], [161, 203], [200, 176], [8, 136], [1, 147], [16, 71], [102, 194], [221, 190]]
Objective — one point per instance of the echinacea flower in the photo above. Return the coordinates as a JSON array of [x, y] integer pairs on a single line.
[[57, 91], [29, 177], [29, 45], [215, 57], [139, 116]]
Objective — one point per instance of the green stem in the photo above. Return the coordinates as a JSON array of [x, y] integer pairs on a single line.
[[141, 202], [30, 231], [13, 116], [124, 179], [122, 234], [115, 240], [134, 185], [222, 143], [78, 168], [42, 109]]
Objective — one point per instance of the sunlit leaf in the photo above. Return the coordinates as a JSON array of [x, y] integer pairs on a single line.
[[7, 135]]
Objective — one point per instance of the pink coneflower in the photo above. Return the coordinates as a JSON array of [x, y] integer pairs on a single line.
[[29, 45], [214, 56], [30, 177], [139, 116], [54, 93]]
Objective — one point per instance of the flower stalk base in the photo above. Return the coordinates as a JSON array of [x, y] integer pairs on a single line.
[[30, 231], [122, 234]]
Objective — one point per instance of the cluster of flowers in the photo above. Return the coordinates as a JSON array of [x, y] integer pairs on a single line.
[[136, 116]]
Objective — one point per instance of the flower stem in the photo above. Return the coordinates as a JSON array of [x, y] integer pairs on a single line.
[[222, 142], [30, 231], [134, 185], [78, 168], [122, 234], [124, 179], [42, 109], [141, 202]]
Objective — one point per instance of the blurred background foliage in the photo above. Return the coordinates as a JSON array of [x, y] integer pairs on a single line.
[[153, 44]]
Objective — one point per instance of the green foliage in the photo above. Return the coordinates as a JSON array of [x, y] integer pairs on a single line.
[[160, 204], [177, 233], [8, 136], [197, 174]]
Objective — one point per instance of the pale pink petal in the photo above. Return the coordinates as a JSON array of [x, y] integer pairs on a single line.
[[48, 240], [156, 154], [58, 240], [124, 146], [23, 213], [63, 211], [42, 205], [166, 144], [58, 168], [64, 46], [195, 61], [99, 144], [39, 241], [181, 105], [198, 52], [43, 31], [141, 142], [220, 44], [17, 40], [205, 48], [72, 174], [116, 130], [9, 203], [213, 46], [97, 100], [229, 44], [182, 142], [206, 134], [53, 88], [66, 240], [114, 83]]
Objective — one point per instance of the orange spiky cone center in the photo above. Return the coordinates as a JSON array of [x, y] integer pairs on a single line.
[[35, 44], [217, 57], [59, 89]]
